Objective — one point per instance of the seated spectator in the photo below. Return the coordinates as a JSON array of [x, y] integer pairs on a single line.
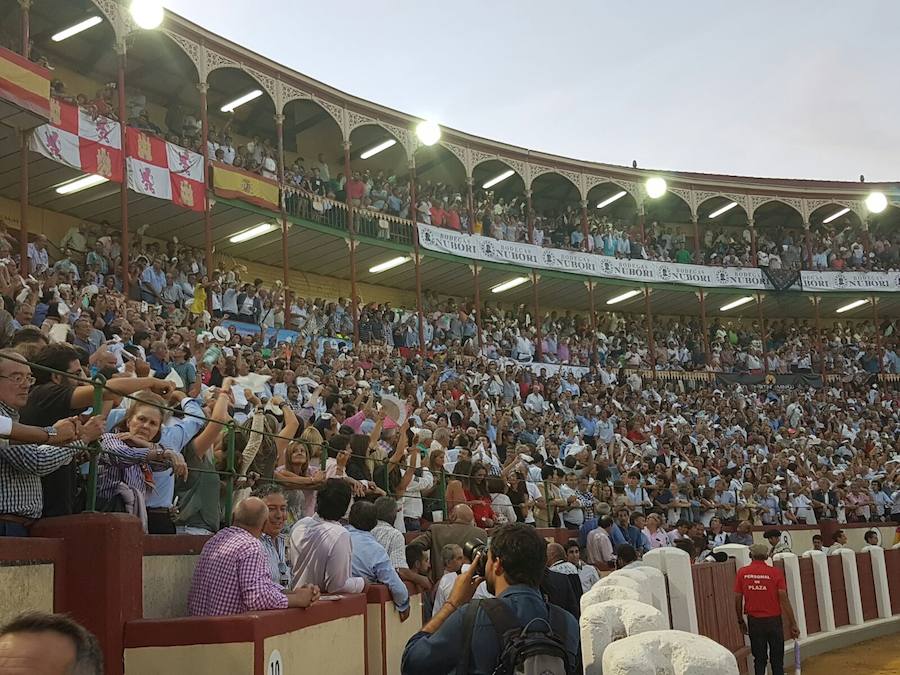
[[452, 561], [458, 530], [587, 573], [391, 539], [232, 575], [561, 584], [321, 549], [48, 644], [369, 560]]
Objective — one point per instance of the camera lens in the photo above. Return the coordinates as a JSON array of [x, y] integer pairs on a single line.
[[471, 549]]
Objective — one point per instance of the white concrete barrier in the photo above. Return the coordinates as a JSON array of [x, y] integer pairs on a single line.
[[794, 588], [668, 652], [880, 577], [605, 622], [626, 590], [739, 552], [652, 579], [851, 586], [823, 589], [675, 564]]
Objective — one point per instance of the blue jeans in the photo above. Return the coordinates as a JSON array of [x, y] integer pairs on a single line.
[[12, 529]]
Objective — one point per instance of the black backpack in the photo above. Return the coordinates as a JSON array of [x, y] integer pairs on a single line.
[[538, 648]]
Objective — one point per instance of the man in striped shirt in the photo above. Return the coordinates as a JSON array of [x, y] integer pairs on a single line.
[[22, 466], [232, 575]]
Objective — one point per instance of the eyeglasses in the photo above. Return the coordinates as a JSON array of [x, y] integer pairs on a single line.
[[19, 379]]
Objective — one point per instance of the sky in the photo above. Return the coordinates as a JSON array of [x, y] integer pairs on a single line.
[[781, 88]]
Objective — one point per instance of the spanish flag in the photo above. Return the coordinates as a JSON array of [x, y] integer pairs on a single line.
[[232, 183], [24, 83]]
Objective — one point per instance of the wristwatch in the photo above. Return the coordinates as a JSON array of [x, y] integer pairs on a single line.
[[52, 433]]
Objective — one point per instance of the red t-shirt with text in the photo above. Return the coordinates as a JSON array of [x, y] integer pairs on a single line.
[[759, 584]]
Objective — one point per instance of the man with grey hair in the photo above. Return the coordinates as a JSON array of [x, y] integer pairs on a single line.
[[452, 560], [49, 644], [232, 574], [391, 539]]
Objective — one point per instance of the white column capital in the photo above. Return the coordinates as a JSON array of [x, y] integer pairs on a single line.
[[880, 579]]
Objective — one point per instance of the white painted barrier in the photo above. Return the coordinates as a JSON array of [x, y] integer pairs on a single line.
[[604, 623], [851, 586], [668, 652], [675, 564], [823, 589], [739, 552], [880, 577], [652, 579], [794, 588], [599, 594]]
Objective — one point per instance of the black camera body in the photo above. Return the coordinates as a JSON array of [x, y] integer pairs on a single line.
[[471, 549]]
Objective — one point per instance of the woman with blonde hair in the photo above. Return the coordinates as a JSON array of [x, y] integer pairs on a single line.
[[300, 474]]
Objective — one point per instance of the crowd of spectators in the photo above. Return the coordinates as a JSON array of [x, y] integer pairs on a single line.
[[387, 440]]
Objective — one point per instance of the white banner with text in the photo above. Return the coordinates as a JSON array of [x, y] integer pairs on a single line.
[[487, 249]]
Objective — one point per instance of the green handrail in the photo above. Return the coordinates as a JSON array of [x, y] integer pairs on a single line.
[[230, 472], [94, 448]]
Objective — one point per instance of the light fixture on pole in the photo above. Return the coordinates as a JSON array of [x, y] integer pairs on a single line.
[[79, 184], [389, 264], [147, 14], [79, 27], [622, 298], [656, 187], [428, 132], [252, 233], [724, 209], [852, 305], [609, 200], [836, 215], [876, 202], [497, 179], [371, 152], [507, 285], [241, 100], [737, 303]]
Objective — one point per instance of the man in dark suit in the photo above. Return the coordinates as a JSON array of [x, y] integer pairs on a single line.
[[561, 584], [824, 501], [459, 530]]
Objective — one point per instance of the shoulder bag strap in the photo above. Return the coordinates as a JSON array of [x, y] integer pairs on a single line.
[[462, 667]]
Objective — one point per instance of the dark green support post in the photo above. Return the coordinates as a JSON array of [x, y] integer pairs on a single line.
[[94, 449]]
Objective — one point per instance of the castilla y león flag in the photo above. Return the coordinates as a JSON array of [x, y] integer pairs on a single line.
[[76, 138], [164, 170]]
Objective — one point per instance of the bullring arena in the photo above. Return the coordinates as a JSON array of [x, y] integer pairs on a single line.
[[314, 285]]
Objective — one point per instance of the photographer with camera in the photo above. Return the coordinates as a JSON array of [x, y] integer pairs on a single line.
[[496, 634]]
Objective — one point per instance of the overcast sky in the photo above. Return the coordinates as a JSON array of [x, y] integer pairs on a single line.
[[799, 88]]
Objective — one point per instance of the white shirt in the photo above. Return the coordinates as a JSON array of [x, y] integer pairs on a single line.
[[445, 586], [574, 516], [412, 502], [589, 577], [320, 554], [533, 493], [503, 508]]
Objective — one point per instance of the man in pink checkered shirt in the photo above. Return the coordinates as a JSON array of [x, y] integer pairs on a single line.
[[232, 575]]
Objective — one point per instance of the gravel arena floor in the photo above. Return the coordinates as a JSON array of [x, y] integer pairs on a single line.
[[875, 657]]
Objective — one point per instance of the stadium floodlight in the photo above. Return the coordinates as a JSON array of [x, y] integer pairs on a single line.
[[371, 152], [724, 209], [737, 303], [428, 132], [876, 202], [507, 285], [609, 200], [252, 233], [79, 27], [241, 100], [497, 179], [389, 264], [147, 14], [835, 215], [656, 187], [852, 305], [79, 184], [622, 298]]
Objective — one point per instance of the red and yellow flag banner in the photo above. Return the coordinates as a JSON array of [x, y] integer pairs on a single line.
[[232, 183], [24, 83]]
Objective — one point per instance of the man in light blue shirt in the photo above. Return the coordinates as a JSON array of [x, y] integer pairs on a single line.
[[153, 280], [174, 436], [369, 558]]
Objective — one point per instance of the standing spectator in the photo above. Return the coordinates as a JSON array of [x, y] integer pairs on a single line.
[[232, 574], [152, 281], [452, 561], [321, 548], [600, 551], [391, 539], [38, 258], [587, 573], [459, 530], [369, 560], [273, 539]]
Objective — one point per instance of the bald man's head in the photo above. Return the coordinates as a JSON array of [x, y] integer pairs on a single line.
[[555, 553], [251, 514], [461, 513]]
